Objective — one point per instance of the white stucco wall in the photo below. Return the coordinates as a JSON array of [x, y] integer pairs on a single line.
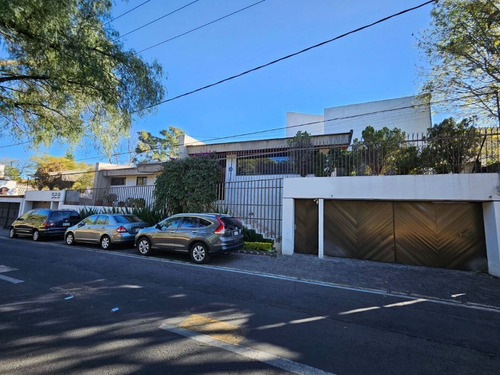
[[479, 187], [409, 114], [302, 122]]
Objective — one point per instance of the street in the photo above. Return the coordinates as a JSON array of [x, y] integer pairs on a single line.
[[80, 310]]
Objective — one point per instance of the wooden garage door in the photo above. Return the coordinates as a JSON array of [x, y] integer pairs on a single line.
[[448, 235], [306, 226], [361, 230]]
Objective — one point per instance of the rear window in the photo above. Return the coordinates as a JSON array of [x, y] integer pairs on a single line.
[[123, 219], [231, 222], [61, 215]]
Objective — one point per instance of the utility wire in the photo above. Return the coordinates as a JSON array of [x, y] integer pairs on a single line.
[[289, 56], [159, 18], [302, 124], [128, 11], [200, 27]]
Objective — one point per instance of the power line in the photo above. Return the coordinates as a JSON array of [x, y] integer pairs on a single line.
[[128, 11], [200, 27], [159, 18], [304, 124], [15, 144], [288, 56]]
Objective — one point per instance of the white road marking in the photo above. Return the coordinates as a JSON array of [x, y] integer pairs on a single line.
[[4, 268], [466, 305], [10, 279], [257, 355]]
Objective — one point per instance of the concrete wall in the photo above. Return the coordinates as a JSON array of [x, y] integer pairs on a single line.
[[409, 114], [313, 124], [483, 188]]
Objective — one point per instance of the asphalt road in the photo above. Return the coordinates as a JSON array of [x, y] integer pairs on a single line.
[[79, 310]]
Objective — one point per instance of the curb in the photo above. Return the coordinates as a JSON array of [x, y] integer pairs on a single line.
[[271, 253]]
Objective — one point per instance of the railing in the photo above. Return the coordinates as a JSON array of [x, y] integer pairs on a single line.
[[257, 203], [115, 196], [471, 151]]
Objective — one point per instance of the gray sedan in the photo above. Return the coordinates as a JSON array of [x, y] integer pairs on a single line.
[[105, 230]]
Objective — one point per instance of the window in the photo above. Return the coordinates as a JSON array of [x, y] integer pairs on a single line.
[[142, 181], [125, 219], [274, 164], [172, 223], [89, 220], [102, 220], [190, 222], [118, 181]]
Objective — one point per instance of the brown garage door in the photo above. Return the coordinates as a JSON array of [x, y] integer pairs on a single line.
[[306, 226], [449, 235], [361, 230]]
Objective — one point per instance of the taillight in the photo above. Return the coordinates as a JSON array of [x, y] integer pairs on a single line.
[[221, 229], [121, 229], [46, 224]]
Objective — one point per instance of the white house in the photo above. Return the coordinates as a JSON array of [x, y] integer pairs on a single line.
[[411, 114]]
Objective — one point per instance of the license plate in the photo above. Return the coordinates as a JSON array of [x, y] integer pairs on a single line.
[[65, 224]]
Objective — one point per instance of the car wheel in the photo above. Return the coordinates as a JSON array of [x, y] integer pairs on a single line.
[[70, 239], [12, 233], [105, 242], [199, 253], [144, 246], [36, 236]]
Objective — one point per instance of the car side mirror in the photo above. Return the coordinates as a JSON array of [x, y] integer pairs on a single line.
[[158, 226], [20, 219], [81, 225]]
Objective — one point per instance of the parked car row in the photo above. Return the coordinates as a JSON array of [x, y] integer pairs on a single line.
[[196, 234]]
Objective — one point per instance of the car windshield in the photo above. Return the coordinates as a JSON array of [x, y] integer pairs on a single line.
[[127, 219]]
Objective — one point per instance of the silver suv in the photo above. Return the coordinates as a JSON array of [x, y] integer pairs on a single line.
[[196, 234]]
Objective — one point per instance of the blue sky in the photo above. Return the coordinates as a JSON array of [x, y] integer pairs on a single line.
[[374, 64]]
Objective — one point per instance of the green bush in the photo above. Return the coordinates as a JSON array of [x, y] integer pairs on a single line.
[[263, 246], [188, 185], [147, 214], [250, 235]]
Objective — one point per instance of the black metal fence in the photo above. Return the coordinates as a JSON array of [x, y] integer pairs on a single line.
[[393, 153]]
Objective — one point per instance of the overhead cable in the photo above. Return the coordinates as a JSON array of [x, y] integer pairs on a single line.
[[202, 26]]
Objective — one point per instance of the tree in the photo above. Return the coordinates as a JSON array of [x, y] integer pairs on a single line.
[[301, 153], [462, 47], [384, 151], [152, 148], [48, 173], [66, 76], [15, 169], [188, 185], [451, 145]]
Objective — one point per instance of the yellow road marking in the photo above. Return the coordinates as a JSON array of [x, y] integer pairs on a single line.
[[221, 331]]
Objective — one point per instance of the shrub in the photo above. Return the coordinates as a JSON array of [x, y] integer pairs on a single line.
[[250, 235], [188, 185], [262, 246]]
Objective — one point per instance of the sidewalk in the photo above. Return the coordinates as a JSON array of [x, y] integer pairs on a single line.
[[424, 282]]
